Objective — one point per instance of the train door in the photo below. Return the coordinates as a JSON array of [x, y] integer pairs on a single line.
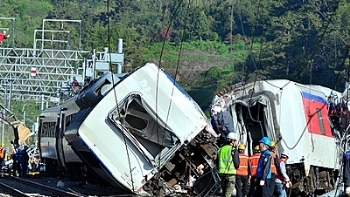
[[39, 133], [59, 137]]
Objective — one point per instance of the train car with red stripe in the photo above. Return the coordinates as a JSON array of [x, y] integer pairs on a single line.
[[296, 117]]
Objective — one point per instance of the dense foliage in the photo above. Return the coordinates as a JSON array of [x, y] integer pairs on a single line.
[[300, 40]]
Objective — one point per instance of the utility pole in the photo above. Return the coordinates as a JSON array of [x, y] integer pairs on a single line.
[[4, 113], [10, 95], [24, 113]]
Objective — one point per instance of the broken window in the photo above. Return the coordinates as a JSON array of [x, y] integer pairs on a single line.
[[141, 122]]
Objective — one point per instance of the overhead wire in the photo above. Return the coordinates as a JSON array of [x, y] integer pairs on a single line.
[[115, 92], [317, 44], [174, 81], [231, 34], [310, 61], [176, 69], [313, 54], [298, 74], [250, 52]]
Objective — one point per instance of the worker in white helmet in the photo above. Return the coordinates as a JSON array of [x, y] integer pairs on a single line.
[[228, 162]]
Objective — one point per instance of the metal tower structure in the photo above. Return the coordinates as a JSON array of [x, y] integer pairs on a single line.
[[42, 73]]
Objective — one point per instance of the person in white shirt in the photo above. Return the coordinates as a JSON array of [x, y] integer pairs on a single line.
[[282, 179]]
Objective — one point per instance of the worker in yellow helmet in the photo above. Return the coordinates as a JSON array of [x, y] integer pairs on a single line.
[[243, 173]]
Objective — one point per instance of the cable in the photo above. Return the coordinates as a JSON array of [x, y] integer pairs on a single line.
[[317, 44], [157, 83], [115, 93], [231, 28]]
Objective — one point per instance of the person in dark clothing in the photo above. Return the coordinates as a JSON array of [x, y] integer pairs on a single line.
[[264, 184], [228, 162], [24, 162], [344, 120], [346, 173], [17, 158]]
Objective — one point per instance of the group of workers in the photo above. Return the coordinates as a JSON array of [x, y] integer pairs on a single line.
[[260, 175], [16, 162]]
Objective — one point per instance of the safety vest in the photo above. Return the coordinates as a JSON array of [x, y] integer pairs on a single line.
[[254, 161], [273, 164], [243, 165], [279, 174], [2, 153], [225, 165], [261, 165]]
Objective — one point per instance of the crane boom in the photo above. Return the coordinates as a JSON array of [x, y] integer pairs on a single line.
[[21, 131]]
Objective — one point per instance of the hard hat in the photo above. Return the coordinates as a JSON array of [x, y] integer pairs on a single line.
[[257, 147], [232, 136], [241, 147], [285, 154], [273, 143], [2, 144], [266, 141], [4, 32]]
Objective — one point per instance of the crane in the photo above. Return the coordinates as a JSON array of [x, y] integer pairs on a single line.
[[21, 131]]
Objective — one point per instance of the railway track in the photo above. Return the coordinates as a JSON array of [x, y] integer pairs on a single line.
[[24, 188]]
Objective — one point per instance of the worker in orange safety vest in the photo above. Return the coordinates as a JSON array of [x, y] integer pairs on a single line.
[[275, 162], [254, 161], [243, 173], [2, 154]]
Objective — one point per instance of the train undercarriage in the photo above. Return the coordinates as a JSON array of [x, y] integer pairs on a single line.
[[191, 170]]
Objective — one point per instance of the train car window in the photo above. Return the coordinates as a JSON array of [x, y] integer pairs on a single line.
[[48, 129], [138, 123], [69, 119], [320, 121], [43, 129], [143, 125]]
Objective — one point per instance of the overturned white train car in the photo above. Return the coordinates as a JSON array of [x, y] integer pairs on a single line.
[[296, 116], [144, 134]]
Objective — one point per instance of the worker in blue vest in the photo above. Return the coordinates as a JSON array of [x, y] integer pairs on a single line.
[[228, 162], [265, 185]]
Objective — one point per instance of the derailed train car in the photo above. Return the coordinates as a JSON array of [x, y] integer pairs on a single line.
[[54, 150], [296, 116], [145, 135]]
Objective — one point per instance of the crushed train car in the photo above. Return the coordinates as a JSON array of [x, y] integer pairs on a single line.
[[298, 117], [144, 134]]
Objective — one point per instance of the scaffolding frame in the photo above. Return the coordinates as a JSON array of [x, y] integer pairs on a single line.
[[54, 68]]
